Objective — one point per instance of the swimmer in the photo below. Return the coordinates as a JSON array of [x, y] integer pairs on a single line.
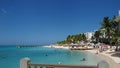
[[83, 59], [46, 55]]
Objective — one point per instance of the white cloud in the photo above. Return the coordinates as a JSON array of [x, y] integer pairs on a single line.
[[3, 10]]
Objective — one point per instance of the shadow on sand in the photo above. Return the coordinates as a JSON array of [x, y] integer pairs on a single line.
[[116, 54]]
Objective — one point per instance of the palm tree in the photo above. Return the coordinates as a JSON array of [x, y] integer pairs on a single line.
[[116, 26], [97, 35], [107, 25], [68, 39], [84, 37], [111, 29], [92, 38]]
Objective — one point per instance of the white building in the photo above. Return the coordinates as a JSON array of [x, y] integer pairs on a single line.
[[119, 13], [89, 35]]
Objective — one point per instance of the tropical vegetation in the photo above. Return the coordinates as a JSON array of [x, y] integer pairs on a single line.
[[74, 39], [108, 34]]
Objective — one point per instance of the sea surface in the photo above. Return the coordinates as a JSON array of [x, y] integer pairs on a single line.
[[10, 56]]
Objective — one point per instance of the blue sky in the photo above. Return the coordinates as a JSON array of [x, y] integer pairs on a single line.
[[35, 22]]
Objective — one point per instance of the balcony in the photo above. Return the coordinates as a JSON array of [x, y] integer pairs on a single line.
[[25, 63]]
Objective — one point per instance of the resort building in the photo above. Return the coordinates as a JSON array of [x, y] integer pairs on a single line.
[[89, 35]]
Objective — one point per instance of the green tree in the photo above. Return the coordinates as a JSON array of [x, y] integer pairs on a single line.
[[106, 24], [68, 39], [97, 35], [84, 37], [116, 39]]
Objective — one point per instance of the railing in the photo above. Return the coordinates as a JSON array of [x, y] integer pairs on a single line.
[[58, 66], [25, 63]]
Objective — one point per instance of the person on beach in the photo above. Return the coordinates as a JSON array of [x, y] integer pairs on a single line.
[[97, 50]]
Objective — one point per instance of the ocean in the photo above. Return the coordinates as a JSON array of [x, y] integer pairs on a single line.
[[10, 56]]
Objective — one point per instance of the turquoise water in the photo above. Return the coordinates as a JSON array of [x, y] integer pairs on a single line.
[[10, 56]]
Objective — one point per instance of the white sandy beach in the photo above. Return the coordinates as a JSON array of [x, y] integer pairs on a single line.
[[114, 62]]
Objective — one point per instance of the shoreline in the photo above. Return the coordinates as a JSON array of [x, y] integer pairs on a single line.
[[112, 61], [57, 46]]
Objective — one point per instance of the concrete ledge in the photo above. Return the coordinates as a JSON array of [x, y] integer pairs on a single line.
[[25, 63]]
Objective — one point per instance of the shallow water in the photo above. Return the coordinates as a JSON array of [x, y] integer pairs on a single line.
[[10, 56]]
